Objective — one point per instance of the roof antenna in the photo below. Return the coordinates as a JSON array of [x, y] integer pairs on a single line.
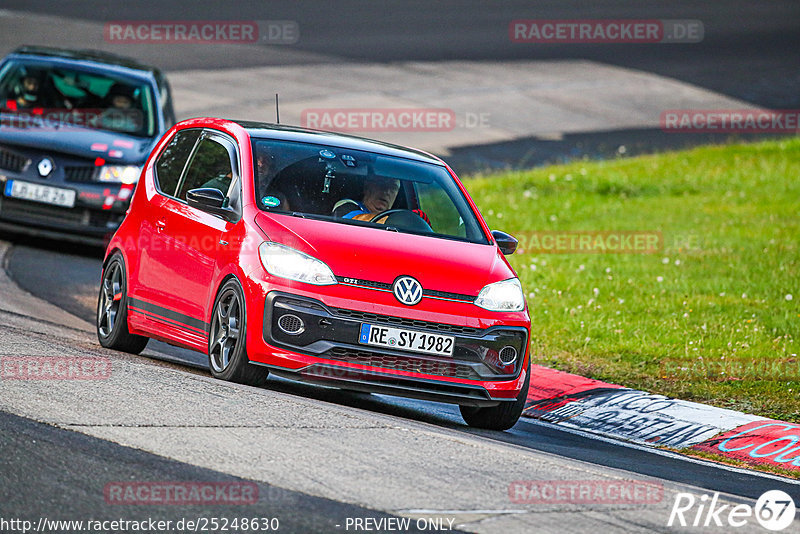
[[277, 110]]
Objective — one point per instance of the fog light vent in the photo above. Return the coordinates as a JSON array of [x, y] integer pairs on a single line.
[[508, 355], [291, 324]]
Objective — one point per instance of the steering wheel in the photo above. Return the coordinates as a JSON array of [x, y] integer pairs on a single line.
[[403, 218]]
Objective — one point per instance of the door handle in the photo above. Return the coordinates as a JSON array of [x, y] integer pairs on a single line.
[[161, 224]]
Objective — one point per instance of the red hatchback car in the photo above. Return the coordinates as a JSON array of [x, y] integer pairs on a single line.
[[319, 257]]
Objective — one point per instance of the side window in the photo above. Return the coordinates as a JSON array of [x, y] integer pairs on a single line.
[[172, 160], [441, 210], [166, 103], [210, 167]]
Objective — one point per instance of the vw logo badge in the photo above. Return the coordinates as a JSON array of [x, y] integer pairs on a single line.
[[45, 167], [407, 290]]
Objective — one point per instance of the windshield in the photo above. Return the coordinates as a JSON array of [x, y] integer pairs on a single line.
[[363, 188], [37, 95]]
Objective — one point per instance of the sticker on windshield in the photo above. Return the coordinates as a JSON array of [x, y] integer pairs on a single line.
[[271, 202], [327, 154]]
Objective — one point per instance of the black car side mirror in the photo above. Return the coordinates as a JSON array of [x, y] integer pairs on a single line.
[[506, 242], [211, 201]]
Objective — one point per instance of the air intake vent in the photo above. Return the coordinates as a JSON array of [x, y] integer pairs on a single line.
[[80, 174], [508, 355], [11, 162], [291, 324]]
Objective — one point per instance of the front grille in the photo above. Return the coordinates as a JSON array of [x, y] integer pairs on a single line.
[[402, 321], [82, 173], [10, 161], [448, 296], [35, 212], [409, 364], [383, 286]]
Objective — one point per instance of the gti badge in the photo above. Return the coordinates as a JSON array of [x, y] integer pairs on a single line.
[[407, 290], [45, 167]]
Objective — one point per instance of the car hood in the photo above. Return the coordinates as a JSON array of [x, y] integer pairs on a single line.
[[372, 254], [87, 143]]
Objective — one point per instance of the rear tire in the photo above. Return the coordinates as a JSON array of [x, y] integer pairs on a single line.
[[500, 417], [111, 319], [227, 351]]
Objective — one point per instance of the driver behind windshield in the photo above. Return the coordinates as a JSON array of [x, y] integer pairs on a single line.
[[379, 195], [28, 91]]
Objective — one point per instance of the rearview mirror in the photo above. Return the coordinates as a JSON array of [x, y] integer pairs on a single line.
[[506, 242], [211, 201]]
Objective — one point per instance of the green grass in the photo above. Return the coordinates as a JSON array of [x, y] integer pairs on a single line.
[[712, 317]]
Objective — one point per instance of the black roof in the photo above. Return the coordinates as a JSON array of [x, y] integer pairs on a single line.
[[86, 55], [307, 135]]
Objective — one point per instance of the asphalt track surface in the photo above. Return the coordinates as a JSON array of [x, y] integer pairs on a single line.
[[66, 471], [73, 290]]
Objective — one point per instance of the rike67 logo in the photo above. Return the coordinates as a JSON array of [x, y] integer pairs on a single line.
[[774, 510]]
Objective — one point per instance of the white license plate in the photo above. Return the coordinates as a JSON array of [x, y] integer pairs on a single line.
[[398, 338], [40, 193]]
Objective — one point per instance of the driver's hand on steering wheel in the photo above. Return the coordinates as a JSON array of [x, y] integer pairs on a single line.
[[423, 215]]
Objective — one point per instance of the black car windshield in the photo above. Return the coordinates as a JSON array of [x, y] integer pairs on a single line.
[[364, 188], [37, 94]]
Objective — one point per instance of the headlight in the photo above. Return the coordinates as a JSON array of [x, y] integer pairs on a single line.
[[120, 174], [502, 296], [286, 262]]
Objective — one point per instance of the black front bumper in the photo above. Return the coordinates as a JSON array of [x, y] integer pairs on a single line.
[[95, 216], [79, 224], [332, 334]]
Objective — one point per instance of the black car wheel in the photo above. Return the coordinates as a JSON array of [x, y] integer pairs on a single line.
[[500, 417], [227, 351], [112, 310]]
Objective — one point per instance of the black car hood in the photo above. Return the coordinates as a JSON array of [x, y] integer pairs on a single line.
[[83, 142]]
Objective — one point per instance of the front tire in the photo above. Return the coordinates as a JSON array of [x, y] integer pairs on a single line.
[[112, 310], [500, 417], [227, 351]]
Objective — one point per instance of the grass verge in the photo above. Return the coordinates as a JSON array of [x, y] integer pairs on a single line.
[[711, 316]]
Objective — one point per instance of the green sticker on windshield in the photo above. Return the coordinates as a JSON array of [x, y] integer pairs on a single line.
[[271, 202]]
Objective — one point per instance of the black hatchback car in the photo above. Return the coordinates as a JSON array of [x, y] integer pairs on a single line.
[[75, 130]]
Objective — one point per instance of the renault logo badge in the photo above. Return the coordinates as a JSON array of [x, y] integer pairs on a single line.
[[45, 167], [407, 290]]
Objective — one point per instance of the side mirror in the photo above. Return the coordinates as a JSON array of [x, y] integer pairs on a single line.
[[507, 243], [211, 201]]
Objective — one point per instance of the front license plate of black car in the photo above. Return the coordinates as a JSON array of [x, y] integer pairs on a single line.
[[399, 338], [40, 193]]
